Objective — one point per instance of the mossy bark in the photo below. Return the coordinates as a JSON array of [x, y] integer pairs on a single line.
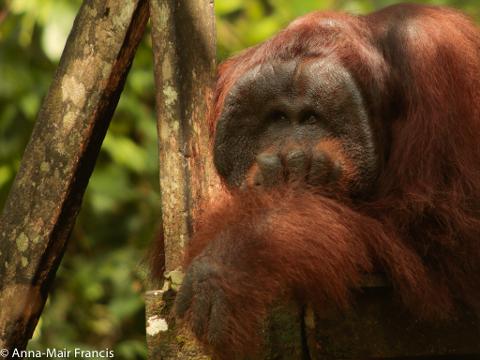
[[183, 34], [184, 58], [46, 195]]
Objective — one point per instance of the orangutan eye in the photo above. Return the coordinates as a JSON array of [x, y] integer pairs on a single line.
[[310, 118], [277, 116]]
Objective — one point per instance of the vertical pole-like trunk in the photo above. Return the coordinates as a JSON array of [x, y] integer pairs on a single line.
[[58, 161], [183, 35], [184, 58]]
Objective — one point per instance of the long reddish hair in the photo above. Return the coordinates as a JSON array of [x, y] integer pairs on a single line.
[[418, 67]]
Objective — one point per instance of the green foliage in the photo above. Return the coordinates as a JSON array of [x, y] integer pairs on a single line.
[[97, 299]]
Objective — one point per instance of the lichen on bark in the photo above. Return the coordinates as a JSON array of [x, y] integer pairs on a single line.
[[46, 195]]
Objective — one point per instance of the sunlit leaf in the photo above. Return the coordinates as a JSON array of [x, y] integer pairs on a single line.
[[125, 152], [5, 174], [223, 7], [30, 104], [53, 39]]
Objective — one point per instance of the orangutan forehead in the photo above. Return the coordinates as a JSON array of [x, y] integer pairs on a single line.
[[300, 77]]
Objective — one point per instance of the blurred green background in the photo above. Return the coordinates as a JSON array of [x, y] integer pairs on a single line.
[[97, 297]]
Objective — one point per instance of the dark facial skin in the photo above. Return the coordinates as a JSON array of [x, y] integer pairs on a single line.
[[297, 121]]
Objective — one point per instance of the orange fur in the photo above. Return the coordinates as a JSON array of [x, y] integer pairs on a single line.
[[419, 69]]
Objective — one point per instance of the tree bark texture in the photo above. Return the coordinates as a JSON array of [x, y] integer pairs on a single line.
[[184, 58], [183, 34], [58, 161]]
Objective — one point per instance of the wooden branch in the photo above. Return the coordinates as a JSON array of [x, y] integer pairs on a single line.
[[165, 340], [46, 195], [379, 327], [183, 34], [184, 59]]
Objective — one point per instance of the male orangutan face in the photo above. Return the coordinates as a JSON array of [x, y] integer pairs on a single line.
[[296, 121]]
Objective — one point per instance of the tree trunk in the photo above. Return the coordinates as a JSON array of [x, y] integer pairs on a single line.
[[183, 35], [58, 161]]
